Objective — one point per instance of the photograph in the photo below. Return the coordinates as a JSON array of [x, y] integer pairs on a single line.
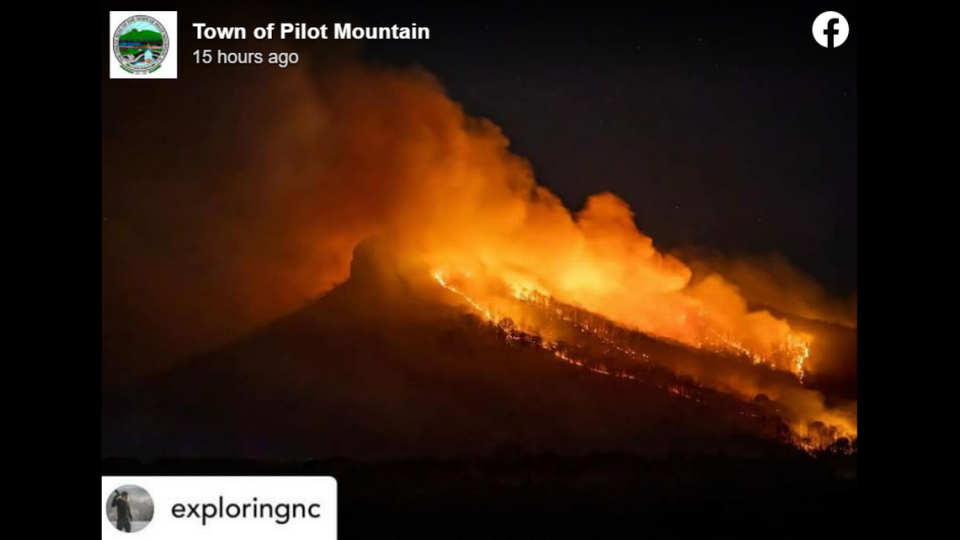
[[572, 271], [130, 509]]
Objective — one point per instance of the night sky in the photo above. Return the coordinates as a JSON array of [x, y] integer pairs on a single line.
[[724, 127]]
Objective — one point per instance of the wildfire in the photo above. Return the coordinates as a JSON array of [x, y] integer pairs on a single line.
[[800, 345], [548, 345], [531, 336], [792, 355], [448, 195], [443, 283], [810, 435]]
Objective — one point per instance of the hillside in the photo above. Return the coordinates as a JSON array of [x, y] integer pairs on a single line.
[[377, 368]]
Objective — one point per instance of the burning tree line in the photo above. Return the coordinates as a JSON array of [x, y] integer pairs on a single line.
[[595, 344]]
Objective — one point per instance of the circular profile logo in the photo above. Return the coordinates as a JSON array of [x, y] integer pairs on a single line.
[[140, 43], [830, 29], [130, 509]]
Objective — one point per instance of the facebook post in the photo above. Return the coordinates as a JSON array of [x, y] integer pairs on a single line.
[[478, 271]]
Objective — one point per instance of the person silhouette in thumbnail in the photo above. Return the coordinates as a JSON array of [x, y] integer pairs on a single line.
[[121, 501]]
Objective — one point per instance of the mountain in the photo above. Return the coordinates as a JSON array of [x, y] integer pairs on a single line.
[[141, 36], [387, 367]]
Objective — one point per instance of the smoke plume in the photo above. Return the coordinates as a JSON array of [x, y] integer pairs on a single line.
[[268, 186]]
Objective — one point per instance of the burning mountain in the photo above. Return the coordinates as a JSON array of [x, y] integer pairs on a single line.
[[359, 153], [391, 365], [539, 320]]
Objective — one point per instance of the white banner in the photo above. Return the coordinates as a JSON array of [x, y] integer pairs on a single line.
[[193, 508]]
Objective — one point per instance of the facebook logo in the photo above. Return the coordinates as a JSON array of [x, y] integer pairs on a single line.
[[830, 29]]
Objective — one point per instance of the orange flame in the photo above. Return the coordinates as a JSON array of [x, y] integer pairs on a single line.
[[812, 431], [333, 158]]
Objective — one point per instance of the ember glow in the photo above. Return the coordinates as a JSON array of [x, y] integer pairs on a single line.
[[791, 356], [814, 426]]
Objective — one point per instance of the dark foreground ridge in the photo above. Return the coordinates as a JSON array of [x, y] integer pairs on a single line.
[[521, 496], [380, 370]]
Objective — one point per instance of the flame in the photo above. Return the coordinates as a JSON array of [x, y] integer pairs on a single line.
[[443, 283], [332, 157], [813, 432], [792, 355], [531, 335], [799, 350]]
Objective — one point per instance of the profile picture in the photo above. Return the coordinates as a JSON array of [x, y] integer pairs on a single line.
[[130, 509]]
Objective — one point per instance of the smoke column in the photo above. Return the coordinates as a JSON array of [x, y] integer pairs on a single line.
[[262, 213]]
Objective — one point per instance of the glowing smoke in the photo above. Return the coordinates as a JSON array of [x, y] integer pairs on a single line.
[[317, 163]]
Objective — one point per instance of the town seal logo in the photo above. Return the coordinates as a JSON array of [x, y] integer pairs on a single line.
[[140, 43]]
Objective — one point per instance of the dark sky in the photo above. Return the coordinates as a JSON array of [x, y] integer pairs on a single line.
[[724, 127]]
